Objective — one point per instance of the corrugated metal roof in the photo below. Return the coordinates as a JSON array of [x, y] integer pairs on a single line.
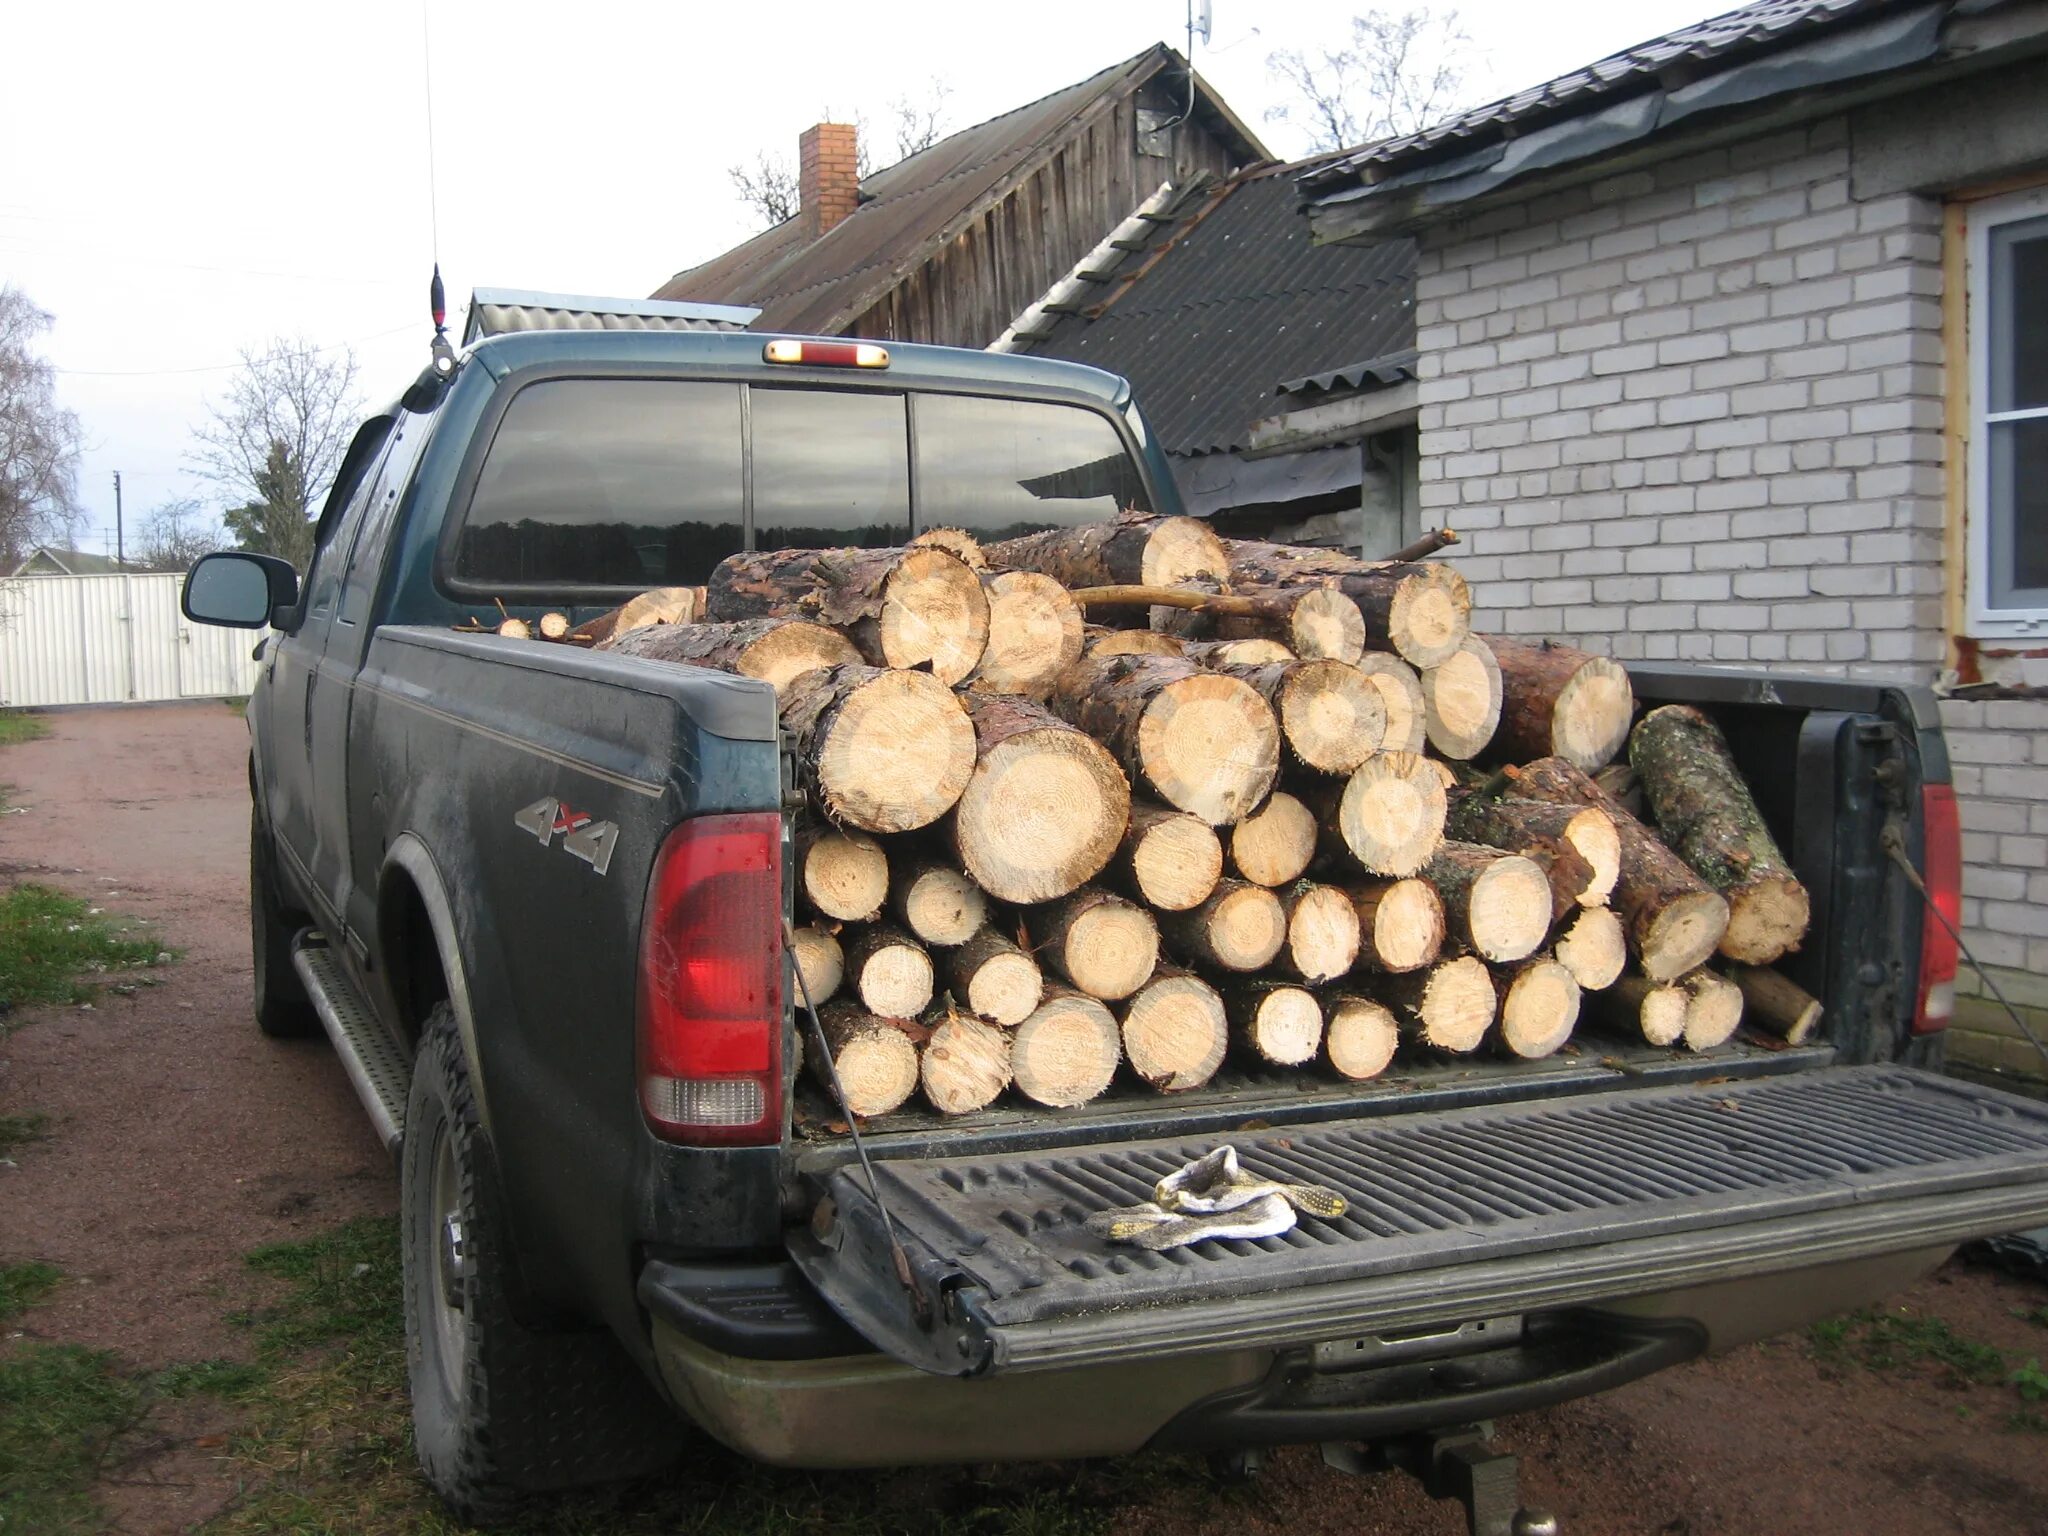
[[910, 208], [497, 311], [1231, 298], [1380, 371], [1766, 25]]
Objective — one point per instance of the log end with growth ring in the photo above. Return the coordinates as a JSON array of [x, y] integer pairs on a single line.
[[1713, 1009], [898, 754], [957, 542], [1067, 1052], [1592, 833], [1391, 815], [1401, 924], [789, 650], [877, 1064], [1538, 1010], [1243, 927], [1681, 934], [1034, 635], [1273, 845], [1400, 690], [1462, 700], [939, 904], [1172, 859], [893, 979], [1282, 1025], [1323, 933], [1210, 746], [842, 874], [1766, 919], [1509, 908], [1182, 549], [1098, 642], [1593, 948], [1457, 1005], [964, 1066], [1332, 715], [1042, 813], [820, 963], [1101, 943], [1175, 1032], [1326, 625], [1594, 709], [994, 979], [1359, 1036], [1430, 615], [934, 613]]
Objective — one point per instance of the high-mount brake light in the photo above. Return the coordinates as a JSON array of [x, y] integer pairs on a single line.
[[710, 1014], [1942, 868], [826, 354]]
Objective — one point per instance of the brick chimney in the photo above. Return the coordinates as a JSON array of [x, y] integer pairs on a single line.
[[827, 180]]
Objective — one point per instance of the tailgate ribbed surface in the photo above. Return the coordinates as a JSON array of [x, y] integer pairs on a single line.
[[1468, 1184]]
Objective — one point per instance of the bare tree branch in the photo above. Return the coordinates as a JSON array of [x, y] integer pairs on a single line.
[[1398, 74], [770, 185], [177, 533], [38, 439]]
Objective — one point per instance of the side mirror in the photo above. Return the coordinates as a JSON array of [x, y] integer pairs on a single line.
[[238, 591]]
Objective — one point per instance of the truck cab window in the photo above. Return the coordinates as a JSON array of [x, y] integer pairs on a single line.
[[1000, 468], [831, 467]]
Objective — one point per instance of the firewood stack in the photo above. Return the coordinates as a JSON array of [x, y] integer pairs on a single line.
[[1131, 802]]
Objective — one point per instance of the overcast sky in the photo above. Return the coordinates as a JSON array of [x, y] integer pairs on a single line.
[[184, 181]]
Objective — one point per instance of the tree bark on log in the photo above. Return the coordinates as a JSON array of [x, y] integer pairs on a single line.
[[1199, 741], [900, 607], [1713, 1009], [1102, 944], [1774, 1002], [1067, 1051], [1135, 549], [1448, 1007], [1175, 1031], [1641, 1010], [773, 650], [1674, 919], [938, 904], [1400, 689], [1323, 933], [994, 979], [1332, 716], [1539, 1006], [1168, 859], [1098, 643], [1217, 654], [888, 970], [1045, 806], [662, 605], [1707, 815], [1389, 815], [1034, 634], [1275, 844], [1359, 1035], [1240, 927], [877, 1062], [1560, 702], [1422, 611], [1401, 924], [964, 1066], [1593, 948], [1461, 699], [819, 962], [884, 751], [1275, 1022], [1496, 904], [1516, 824], [841, 875]]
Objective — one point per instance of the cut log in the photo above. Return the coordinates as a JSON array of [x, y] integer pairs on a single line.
[[1495, 904], [1067, 1051], [1101, 943], [515, 629], [1774, 1002], [1235, 653], [1389, 814], [663, 605], [552, 626], [1448, 1007], [1175, 1031], [888, 971], [1516, 824], [1674, 920], [1323, 932], [774, 650], [1707, 815], [899, 607], [1275, 1023], [1097, 642], [1560, 702], [1713, 1009], [885, 751], [1274, 845], [1359, 1035], [994, 979], [1422, 611], [819, 962], [1135, 549], [965, 1064], [1239, 927], [842, 875], [1044, 808], [957, 542], [1401, 692], [1034, 634], [1539, 1005], [1200, 741], [1461, 700], [877, 1062], [1169, 860], [1332, 716], [937, 903], [1639, 1009], [1401, 924], [1593, 948], [1313, 622]]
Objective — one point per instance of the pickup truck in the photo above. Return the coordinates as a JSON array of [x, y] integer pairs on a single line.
[[537, 895]]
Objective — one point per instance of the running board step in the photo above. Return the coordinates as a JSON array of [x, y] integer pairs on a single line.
[[377, 1069]]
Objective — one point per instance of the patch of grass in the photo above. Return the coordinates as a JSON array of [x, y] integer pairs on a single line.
[[229, 1379], [20, 1130], [16, 727], [2031, 1382], [51, 945], [22, 1286], [1887, 1341], [61, 1406], [2026, 1421], [238, 706]]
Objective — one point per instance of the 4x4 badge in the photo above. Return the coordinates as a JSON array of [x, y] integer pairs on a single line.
[[591, 841]]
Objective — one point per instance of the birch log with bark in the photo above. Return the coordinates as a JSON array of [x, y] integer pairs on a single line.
[[937, 903], [1200, 741], [774, 650], [1239, 927], [1045, 806], [1560, 702], [1674, 919], [964, 1065], [1423, 611], [1539, 1005], [1098, 941], [888, 970], [1067, 1051], [1359, 1035], [1496, 904], [1034, 634], [1514, 824], [1461, 700], [1448, 1007], [1389, 814], [1641, 1010], [884, 751], [1400, 689], [1168, 859], [1332, 716], [1773, 1001], [993, 978], [1175, 1031], [1707, 815], [842, 875], [877, 1062], [1323, 932], [1401, 924], [1275, 1022], [1274, 845]]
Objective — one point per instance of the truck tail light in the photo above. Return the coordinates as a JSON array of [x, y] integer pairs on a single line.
[[1942, 869], [711, 984]]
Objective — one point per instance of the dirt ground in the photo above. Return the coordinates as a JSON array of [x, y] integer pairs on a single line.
[[180, 1139]]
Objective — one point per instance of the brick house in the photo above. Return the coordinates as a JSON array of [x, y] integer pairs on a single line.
[[1733, 348]]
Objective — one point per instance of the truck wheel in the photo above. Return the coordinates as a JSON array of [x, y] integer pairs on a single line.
[[283, 1011], [499, 1409]]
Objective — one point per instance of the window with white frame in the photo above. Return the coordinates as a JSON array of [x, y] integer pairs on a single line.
[[2008, 468]]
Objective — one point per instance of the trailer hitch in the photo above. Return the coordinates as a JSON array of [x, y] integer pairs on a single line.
[[1456, 1464]]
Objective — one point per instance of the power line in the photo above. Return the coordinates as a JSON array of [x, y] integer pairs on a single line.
[[156, 373]]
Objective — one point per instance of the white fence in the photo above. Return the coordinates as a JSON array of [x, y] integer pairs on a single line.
[[113, 640]]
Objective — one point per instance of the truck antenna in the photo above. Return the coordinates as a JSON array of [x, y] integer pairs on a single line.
[[437, 295]]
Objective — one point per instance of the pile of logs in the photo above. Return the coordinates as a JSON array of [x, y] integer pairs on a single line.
[[1130, 797]]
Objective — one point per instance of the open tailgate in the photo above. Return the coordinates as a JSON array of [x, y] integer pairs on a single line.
[[1452, 1216]]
